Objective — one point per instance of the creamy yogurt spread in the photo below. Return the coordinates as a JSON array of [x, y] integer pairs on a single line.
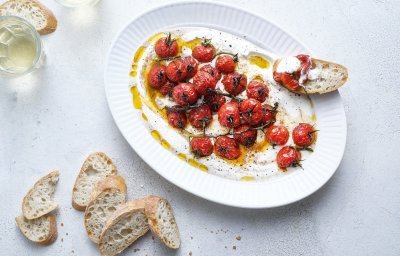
[[289, 65], [292, 64], [257, 162]]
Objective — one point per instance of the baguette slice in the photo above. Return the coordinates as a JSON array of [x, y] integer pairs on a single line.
[[106, 197], [39, 199], [34, 12], [162, 221], [42, 230], [332, 77], [96, 167], [125, 226]]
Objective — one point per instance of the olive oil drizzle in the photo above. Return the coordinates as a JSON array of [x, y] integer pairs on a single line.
[[259, 61], [247, 178], [137, 102], [157, 136]]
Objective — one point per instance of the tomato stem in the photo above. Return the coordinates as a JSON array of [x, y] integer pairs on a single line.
[[168, 58], [179, 109], [305, 148], [206, 42], [235, 56], [169, 40], [223, 94], [297, 164]]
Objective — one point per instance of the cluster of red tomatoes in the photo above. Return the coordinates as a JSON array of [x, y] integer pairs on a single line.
[[243, 117]]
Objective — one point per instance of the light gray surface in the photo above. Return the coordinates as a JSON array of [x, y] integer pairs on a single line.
[[55, 117]]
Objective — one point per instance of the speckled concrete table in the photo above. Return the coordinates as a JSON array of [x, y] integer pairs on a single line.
[[52, 119]]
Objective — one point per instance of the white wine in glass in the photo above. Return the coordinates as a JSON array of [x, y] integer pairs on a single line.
[[20, 47]]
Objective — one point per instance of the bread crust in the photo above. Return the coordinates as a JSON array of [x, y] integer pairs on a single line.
[[51, 24], [105, 185], [78, 206], [310, 90], [121, 212], [83, 169], [151, 205], [52, 235], [110, 182], [138, 204], [28, 195]]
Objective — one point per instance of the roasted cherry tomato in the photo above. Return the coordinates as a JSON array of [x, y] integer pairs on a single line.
[[227, 147], [303, 135], [212, 71], [176, 119], [214, 101], [203, 81], [184, 94], [191, 66], [236, 102], [234, 83], [157, 76], [277, 135], [201, 147], [288, 157], [277, 77], [166, 47], [201, 116], [252, 111], [166, 89], [176, 70], [269, 115], [291, 81], [245, 135], [225, 64], [204, 52], [306, 62], [229, 115], [257, 90]]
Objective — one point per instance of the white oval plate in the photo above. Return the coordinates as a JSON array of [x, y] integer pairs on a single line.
[[318, 167]]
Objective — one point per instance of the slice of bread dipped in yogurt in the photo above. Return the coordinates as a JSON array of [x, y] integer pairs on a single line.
[[323, 76]]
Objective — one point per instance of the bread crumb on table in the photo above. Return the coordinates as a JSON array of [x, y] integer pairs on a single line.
[[238, 238]]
